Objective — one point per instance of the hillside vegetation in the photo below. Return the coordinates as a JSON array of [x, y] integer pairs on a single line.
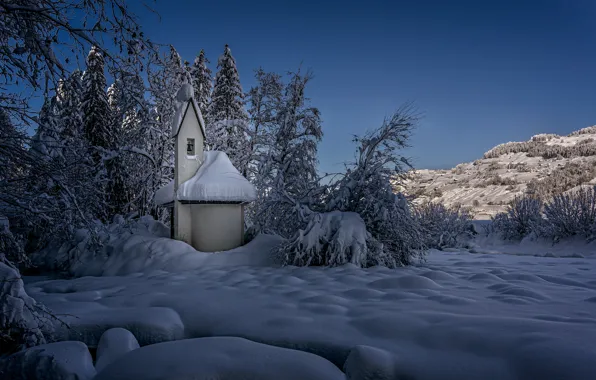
[[545, 165]]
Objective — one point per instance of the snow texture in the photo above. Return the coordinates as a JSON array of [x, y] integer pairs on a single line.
[[222, 358], [217, 180], [114, 344], [181, 107], [55, 361], [459, 315]]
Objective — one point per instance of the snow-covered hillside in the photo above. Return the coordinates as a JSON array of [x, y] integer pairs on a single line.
[[547, 164]]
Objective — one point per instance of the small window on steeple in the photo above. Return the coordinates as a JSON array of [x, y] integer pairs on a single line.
[[190, 147]]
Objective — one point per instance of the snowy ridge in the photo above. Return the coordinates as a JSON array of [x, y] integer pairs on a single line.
[[488, 184], [217, 180]]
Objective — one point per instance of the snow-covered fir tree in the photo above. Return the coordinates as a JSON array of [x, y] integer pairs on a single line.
[[69, 109], [202, 81], [227, 99], [228, 131], [95, 106], [46, 142]]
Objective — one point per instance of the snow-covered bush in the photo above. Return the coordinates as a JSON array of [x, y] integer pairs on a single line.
[[443, 225], [331, 239], [23, 322], [367, 189], [561, 179], [522, 217], [571, 214]]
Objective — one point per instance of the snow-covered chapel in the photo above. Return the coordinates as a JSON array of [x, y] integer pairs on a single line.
[[208, 194]]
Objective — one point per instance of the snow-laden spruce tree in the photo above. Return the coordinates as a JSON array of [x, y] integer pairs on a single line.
[[70, 110], [47, 140], [202, 81], [286, 178], [96, 111], [227, 99], [227, 118]]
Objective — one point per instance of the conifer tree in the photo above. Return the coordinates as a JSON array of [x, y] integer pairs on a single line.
[[228, 129], [227, 100], [95, 106], [69, 110], [202, 81]]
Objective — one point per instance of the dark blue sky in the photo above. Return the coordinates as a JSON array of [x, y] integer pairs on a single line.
[[481, 72]]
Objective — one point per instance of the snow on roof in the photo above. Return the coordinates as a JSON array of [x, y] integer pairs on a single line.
[[185, 99], [217, 180], [164, 194]]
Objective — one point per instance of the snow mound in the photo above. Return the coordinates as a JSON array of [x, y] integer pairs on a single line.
[[217, 180], [149, 324], [55, 361], [113, 344], [223, 358], [367, 363]]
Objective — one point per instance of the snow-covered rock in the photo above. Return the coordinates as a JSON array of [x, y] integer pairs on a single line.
[[370, 363], [148, 324], [67, 360], [113, 344], [222, 358]]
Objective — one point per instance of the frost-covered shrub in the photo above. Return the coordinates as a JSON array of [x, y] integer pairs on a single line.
[[443, 225], [23, 322], [522, 217], [571, 214], [11, 249], [497, 180], [366, 188], [507, 148], [562, 179], [585, 141], [332, 239], [584, 131], [544, 137]]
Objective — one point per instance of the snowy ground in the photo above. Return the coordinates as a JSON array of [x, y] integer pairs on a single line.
[[460, 315]]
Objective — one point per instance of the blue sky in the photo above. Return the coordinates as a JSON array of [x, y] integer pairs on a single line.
[[481, 72]]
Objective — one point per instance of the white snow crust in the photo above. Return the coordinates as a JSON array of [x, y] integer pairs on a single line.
[[217, 180], [222, 358]]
